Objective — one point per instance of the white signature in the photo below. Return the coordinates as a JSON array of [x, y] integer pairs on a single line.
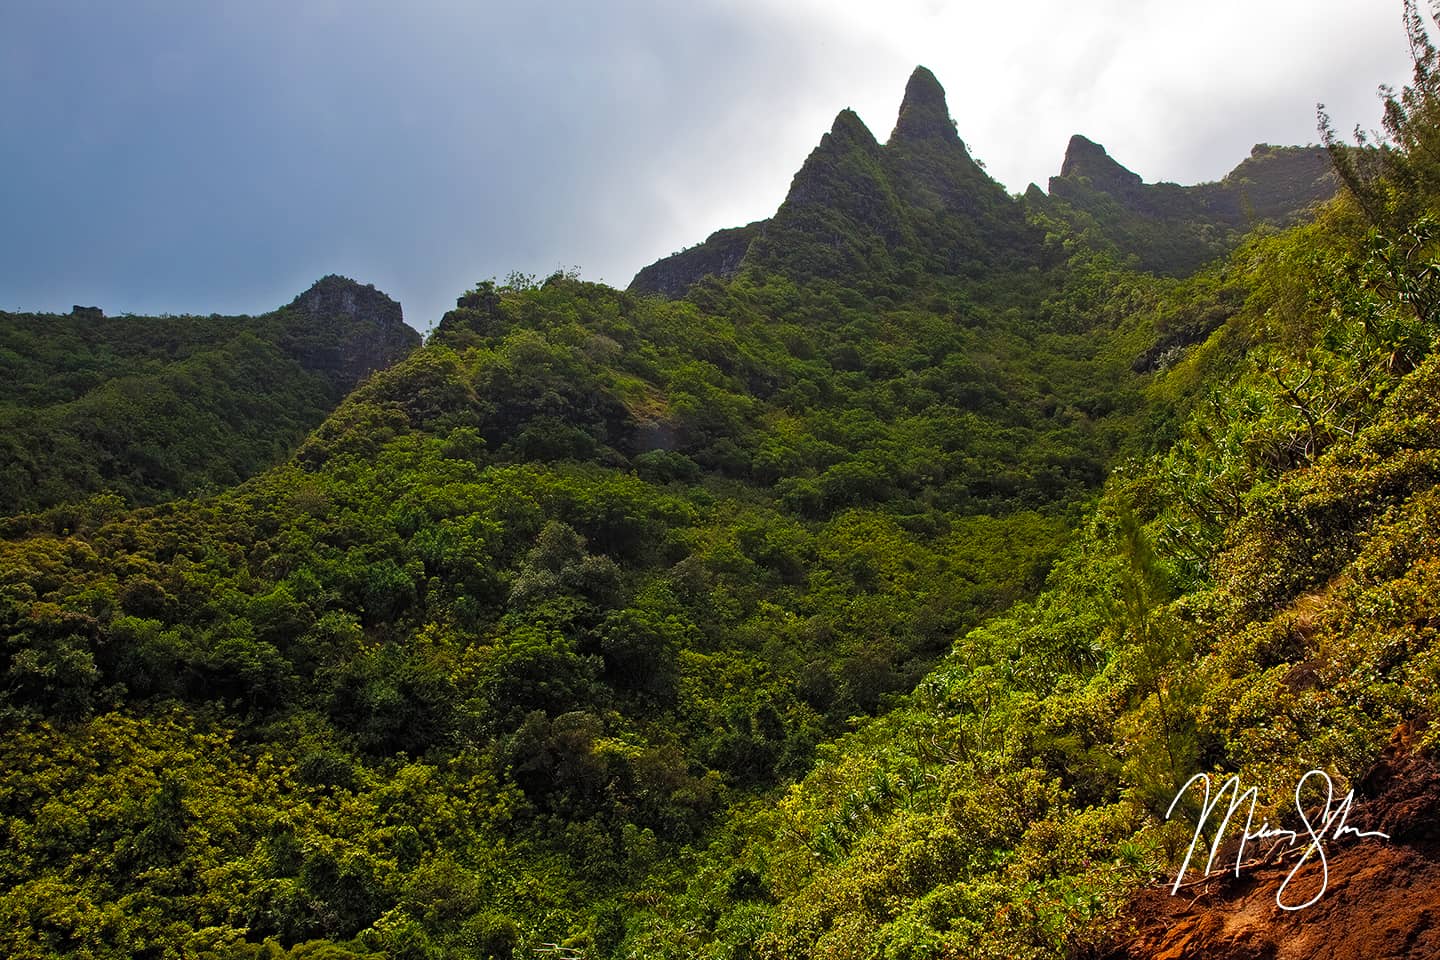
[[1330, 825]]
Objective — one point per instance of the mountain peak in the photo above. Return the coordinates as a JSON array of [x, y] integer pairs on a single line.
[[849, 129], [1080, 152], [371, 335], [1086, 158], [334, 295], [924, 114]]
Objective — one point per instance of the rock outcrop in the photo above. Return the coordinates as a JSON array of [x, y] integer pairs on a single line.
[[924, 114], [718, 256], [1087, 160], [352, 330]]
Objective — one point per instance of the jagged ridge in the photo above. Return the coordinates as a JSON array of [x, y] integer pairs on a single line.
[[857, 208], [1175, 229]]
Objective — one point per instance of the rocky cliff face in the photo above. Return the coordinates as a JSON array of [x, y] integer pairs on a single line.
[[335, 295], [1086, 160], [351, 330], [719, 256], [924, 113]]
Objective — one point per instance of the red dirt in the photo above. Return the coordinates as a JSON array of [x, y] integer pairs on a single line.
[[1382, 902]]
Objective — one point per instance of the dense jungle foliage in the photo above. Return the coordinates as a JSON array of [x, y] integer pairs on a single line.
[[861, 604]]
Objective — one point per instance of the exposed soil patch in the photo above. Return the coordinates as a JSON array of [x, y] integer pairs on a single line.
[[1382, 902]]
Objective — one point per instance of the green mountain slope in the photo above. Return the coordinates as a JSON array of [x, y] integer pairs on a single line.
[[870, 602], [1256, 599], [155, 407], [604, 565]]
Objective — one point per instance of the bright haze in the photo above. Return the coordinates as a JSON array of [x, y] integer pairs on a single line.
[[167, 156]]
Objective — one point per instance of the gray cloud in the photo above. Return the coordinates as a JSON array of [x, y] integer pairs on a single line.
[[174, 157]]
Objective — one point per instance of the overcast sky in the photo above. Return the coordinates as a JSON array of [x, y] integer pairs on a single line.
[[179, 156]]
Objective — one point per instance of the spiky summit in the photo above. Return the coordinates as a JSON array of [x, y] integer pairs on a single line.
[[924, 114]]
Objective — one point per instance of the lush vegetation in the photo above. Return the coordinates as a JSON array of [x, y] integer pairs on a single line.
[[602, 566], [821, 613]]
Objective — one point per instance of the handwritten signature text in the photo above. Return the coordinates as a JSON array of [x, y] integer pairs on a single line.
[[1329, 824]]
